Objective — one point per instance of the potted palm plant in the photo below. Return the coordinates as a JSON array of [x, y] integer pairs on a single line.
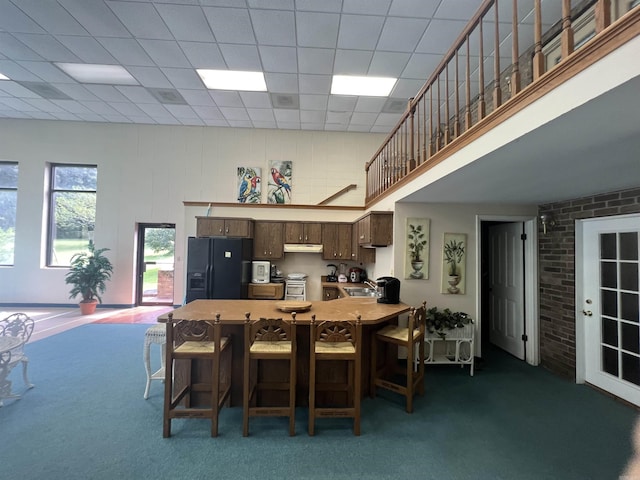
[[88, 274], [453, 253]]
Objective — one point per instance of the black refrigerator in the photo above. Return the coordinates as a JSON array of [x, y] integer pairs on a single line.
[[218, 267]]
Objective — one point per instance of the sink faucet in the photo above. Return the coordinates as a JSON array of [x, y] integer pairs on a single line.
[[370, 284]]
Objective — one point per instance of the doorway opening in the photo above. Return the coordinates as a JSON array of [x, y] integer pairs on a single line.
[[507, 297], [155, 263]]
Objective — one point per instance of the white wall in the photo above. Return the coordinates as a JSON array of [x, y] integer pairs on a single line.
[[145, 172]]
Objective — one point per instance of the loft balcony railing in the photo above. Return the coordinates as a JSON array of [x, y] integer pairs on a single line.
[[508, 50]]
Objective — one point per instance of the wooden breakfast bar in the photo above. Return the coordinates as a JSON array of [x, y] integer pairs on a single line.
[[232, 317]]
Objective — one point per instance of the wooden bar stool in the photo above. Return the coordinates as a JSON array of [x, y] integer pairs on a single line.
[[341, 340], [196, 340], [396, 378], [268, 340]]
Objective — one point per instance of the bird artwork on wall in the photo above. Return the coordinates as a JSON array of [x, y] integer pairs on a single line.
[[249, 187], [280, 182]]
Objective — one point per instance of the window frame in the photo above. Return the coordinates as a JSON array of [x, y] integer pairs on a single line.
[[51, 208]]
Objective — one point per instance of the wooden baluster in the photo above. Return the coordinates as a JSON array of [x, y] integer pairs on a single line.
[[425, 138], [514, 84], [456, 118], [467, 110], [603, 15], [439, 132], [447, 116], [567, 31], [411, 164], [481, 104], [497, 88], [538, 57], [431, 140]]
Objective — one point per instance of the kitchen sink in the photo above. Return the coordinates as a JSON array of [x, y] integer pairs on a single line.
[[361, 292]]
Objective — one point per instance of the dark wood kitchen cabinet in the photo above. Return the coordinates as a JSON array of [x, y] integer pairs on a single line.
[[336, 241], [375, 229], [268, 240], [224, 227], [301, 232]]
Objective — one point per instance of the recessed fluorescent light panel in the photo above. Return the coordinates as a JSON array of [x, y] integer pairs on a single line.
[[233, 80], [3, 77], [94, 73], [362, 86]]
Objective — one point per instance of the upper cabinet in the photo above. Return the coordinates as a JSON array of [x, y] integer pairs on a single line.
[[268, 240], [300, 232], [375, 229], [227, 227], [336, 241]]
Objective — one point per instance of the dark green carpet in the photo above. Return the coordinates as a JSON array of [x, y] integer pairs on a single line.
[[86, 419]]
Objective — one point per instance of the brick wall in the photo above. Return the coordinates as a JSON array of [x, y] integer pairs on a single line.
[[556, 256]]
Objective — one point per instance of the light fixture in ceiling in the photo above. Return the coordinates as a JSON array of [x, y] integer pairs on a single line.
[[233, 80], [362, 86], [95, 73], [3, 77]]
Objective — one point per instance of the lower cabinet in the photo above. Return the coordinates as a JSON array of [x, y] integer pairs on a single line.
[[266, 291], [330, 293]]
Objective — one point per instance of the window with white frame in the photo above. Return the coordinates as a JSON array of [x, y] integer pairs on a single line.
[[72, 211], [8, 208]]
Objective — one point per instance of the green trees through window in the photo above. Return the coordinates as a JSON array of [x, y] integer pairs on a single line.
[[8, 206]]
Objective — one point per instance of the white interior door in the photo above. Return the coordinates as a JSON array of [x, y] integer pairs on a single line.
[[611, 305], [506, 288]]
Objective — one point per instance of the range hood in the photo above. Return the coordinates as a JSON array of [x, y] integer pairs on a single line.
[[302, 248]]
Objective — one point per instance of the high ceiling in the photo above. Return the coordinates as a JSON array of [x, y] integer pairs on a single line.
[[298, 44]]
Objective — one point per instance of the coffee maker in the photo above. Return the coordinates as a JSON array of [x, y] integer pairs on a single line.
[[389, 288]]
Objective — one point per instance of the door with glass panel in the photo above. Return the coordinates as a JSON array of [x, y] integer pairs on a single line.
[[611, 305], [155, 263]]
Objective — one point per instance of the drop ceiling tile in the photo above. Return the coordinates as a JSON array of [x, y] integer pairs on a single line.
[[15, 49], [241, 57], [47, 47], [312, 116], [274, 27], [155, 110], [100, 108], [12, 19], [226, 99], [401, 34], [72, 106], [274, 4], [361, 118], [342, 103], [312, 126], [75, 91], [106, 93], [150, 77], [127, 51], [323, 6], [388, 64], [197, 97], [17, 104], [17, 72], [279, 59], [234, 113], [192, 121], [90, 117], [283, 115], [96, 17], [9, 88], [47, 72], [406, 88], [208, 113], [315, 60], [181, 111], [261, 114], [183, 77], [281, 82], [52, 17], [440, 35], [313, 102], [203, 55], [66, 116], [141, 19], [265, 124], [87, 49], [341, 118], [421, 65], [370, 104], [165, 53], [318, 30], [388, 119], [352, 62], [458, 10], [255, 99], [127, 108], [186, 22], [414, 8], [136, 94], [366, 7], [42, 116], [315, 84], [359, 32], [230, 25], [240, 123], [117, 119]]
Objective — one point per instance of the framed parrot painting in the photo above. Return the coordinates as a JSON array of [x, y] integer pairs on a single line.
[[249, 185], [279, 185]]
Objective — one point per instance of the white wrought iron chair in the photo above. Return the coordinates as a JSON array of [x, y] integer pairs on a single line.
[[15, 332]]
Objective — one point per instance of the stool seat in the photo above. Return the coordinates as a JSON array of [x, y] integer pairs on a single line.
[[154, 335]]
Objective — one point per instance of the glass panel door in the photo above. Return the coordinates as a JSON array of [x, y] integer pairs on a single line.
[[155, 263]]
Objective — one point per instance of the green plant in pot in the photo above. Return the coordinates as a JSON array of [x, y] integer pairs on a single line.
[[440, 321], [453, 253], [416, 245], [88, 274]]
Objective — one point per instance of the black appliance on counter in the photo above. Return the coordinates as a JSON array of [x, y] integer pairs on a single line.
[[218, 267], [389, 290]]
